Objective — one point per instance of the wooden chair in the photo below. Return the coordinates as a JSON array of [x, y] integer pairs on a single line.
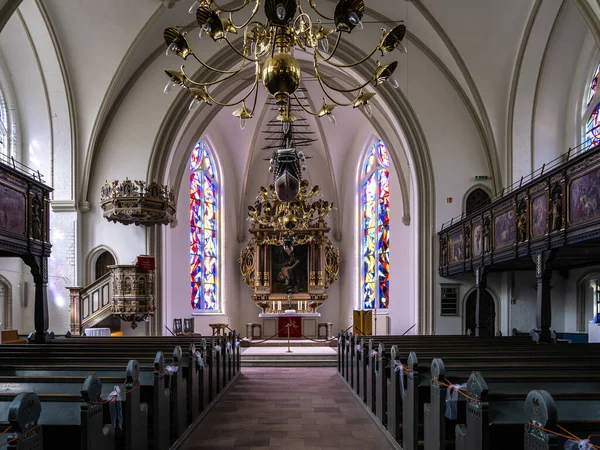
[[177, 326], [188, 325]]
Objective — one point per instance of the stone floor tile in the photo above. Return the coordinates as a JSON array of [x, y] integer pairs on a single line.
[[288, 408]]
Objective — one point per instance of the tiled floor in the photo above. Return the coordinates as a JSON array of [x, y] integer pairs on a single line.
[[288, 408]]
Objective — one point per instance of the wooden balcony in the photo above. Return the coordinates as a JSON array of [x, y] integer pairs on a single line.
[[557, 209]]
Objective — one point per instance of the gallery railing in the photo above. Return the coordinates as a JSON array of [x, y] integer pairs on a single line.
[[556, 205]]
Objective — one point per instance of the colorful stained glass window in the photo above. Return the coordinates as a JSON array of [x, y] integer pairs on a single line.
[[204, 197], [375, 225], [592, 128], [593, 85]]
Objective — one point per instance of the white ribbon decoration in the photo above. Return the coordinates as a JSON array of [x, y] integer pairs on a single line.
[[452, 400], [115, 408], [229, 347], [399, 368], [357, 348], [584, 444], [237, 344], [374, 353], [199, 359], [171, 369]]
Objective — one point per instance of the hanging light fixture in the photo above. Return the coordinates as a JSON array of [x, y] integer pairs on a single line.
[[271, 45]]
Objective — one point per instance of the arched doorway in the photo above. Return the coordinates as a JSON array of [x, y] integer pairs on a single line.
[[104, 259], [6, 303], [489, 313]]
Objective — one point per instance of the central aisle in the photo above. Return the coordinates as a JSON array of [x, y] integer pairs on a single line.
[[288, 408]]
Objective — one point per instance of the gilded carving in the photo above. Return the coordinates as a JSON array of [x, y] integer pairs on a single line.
[[247, 263]]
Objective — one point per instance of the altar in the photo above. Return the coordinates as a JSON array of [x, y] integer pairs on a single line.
[[301, 324], [290, 262]]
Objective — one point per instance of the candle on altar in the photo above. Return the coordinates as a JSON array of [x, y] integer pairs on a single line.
[[279, 305]]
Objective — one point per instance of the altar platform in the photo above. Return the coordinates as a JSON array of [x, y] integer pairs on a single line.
[[305, 353]]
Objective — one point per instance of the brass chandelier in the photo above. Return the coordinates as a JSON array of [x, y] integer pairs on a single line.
[[272, 43]]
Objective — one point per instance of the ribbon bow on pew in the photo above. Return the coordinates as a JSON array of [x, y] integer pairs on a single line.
[[115, 408], [584, 444]]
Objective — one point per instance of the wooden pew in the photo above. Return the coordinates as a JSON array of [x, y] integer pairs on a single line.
[[415, 428], [101, 355], [23, 414], [500, 416], [544, 414], [155, 422]]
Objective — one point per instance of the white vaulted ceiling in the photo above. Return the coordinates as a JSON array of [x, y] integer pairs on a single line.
[[493, 56]]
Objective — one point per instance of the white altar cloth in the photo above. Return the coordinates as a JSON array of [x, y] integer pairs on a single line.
[[296, 314], [97, 331]]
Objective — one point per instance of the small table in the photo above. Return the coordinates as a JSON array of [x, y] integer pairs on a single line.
[[218, 329], [97, 331]]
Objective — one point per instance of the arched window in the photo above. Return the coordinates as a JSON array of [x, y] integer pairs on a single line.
[[591, 114], [375, 227], [476, 199], [204, 198]]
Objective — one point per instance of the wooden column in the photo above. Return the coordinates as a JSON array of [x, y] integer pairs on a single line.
[[75, 301], [39, 270], [480, 287], [543, 271]]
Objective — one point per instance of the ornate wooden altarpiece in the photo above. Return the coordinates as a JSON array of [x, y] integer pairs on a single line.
[[289, 240], [25, 230]]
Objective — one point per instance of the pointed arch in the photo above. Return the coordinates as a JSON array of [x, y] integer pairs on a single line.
[[204, 229], [92, 259]]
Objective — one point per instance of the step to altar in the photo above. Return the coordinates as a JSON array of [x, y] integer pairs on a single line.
[[278, 356]]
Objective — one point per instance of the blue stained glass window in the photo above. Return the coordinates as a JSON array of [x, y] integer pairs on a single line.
[[204, 243], [375, 224]]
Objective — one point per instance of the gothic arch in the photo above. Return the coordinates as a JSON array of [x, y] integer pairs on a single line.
[[92, 258], [399, 112], [7, 309]]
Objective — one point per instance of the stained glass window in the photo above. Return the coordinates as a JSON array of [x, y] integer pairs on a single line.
[[204, 197], [592, 130], [375, 226]]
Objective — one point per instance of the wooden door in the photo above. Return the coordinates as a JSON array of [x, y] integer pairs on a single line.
[[489, 313]]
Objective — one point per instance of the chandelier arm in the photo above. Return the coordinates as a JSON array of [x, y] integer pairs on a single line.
[[305, 109], [211, 83], [334, 100], [212, 68], [255, 99], [254, 12], [262, 58], [314, 7], [316, 50], [337, 43], [254, 86], [344, 91], [239, 8]]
